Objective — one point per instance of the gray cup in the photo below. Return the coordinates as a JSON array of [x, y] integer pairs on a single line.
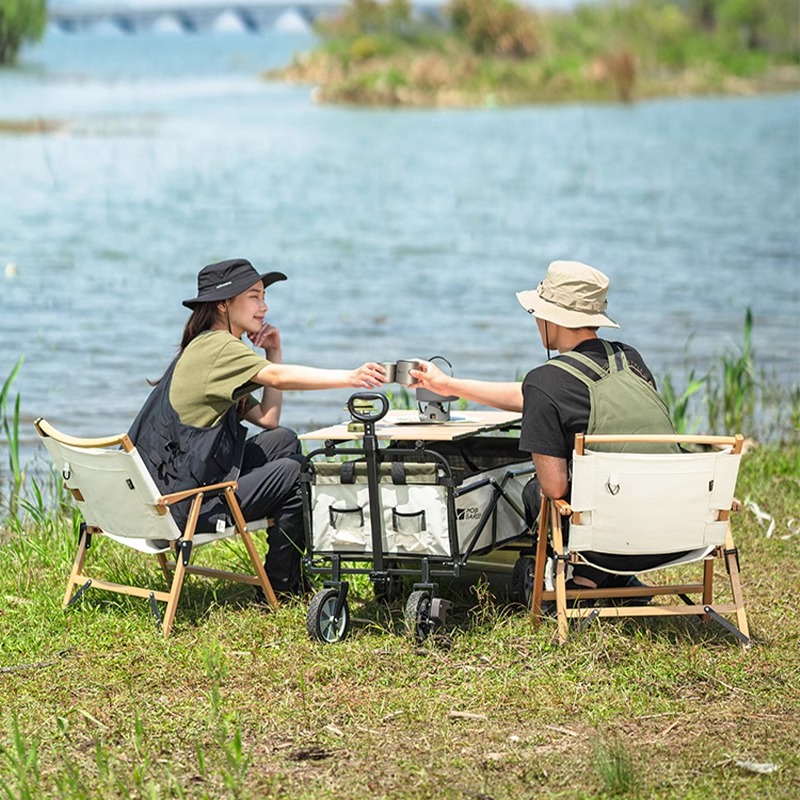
[[401, 374], [390, 368]]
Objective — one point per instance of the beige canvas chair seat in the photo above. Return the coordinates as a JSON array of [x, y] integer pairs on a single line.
[[156, 546], [119, 500], [688, 557], [629, 504]]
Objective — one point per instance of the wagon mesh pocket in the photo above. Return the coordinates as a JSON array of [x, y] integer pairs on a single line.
[[408, 521], [346, 517]]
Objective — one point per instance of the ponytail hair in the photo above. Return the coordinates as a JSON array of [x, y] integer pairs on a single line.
[[202, 318]]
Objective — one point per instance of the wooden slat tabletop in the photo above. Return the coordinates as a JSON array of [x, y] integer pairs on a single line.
[[402, 425]]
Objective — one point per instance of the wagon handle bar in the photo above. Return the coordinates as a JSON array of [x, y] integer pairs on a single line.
[[368, 417]]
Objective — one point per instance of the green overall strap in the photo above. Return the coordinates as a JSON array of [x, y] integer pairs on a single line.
[[620, 401], [585, 369]]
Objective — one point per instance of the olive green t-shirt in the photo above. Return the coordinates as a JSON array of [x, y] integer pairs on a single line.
[[212, 374]]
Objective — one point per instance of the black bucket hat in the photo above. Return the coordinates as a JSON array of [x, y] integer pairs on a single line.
[[226, 279]]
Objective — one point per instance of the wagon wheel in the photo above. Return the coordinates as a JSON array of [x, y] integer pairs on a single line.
[[418, 615], [522, 580], [321, 622]]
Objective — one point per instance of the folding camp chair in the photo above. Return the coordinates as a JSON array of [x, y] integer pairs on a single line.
[[119, 500], [644, 503]]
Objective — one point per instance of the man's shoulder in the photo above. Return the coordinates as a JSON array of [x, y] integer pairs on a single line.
[[635, 361], [596, 350], [550, 376]]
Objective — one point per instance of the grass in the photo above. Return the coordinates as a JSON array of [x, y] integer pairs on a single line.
[[239, 703]]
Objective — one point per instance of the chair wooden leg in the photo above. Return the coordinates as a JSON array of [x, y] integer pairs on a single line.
[[708, 581], [736, 586], [162, 561], [241, 527], [258, 566], [561, 575], [539, 564], [174, 595], [77, 567], [180, 569], [708, 585]]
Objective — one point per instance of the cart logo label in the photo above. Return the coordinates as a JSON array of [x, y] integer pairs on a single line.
[[471, 512]]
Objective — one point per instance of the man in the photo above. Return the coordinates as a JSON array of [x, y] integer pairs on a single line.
[[592, 386]]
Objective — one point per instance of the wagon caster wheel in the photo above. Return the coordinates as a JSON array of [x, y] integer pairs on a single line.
[[522, 580], [418, 615], [321, 620], [389, 589]]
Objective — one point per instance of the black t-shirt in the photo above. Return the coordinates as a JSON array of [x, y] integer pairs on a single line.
[[556, 404]]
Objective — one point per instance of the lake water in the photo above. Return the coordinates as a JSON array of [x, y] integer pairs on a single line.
[[403, 233]]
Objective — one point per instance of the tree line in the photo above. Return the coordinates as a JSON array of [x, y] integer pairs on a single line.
[[21, 21]]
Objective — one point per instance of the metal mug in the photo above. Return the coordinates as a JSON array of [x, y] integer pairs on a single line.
[[390, 368], [402, 375]]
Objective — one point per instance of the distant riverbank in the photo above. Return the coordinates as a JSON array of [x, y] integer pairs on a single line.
[[434, 81], [493, 53]]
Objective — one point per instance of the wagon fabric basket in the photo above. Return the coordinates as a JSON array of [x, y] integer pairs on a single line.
[[415, 506]]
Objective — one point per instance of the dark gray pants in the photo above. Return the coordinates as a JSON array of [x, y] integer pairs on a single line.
[[269, 486], [532, 500]]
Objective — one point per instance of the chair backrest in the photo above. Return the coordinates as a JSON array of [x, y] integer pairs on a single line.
[[110, 484], [642, 503]]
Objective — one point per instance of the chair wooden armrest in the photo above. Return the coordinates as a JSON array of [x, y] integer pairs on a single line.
[[563, 507], [176, 497]]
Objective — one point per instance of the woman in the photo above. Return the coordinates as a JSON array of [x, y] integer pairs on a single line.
[[189, 431]]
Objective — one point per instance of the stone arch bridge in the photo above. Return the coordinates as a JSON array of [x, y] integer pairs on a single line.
[[254, 15]]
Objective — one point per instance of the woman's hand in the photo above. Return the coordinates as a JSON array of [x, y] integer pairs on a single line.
[[368, 376], [269, 337]]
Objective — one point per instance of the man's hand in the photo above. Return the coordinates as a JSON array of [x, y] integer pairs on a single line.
[[429, 376]]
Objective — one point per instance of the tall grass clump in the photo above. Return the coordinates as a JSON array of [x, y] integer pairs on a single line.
[[9, 421], [19, 765], [616, 769], [679, 402], [734, 396], [731, 398]]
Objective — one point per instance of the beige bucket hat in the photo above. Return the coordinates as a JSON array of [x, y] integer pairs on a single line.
[[572, 295]]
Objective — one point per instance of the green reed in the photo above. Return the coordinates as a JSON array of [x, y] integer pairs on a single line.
[[679, 404], [731, 399], [10, 426], [735, 397]]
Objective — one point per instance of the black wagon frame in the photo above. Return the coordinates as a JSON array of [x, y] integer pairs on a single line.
[[329, 617]]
